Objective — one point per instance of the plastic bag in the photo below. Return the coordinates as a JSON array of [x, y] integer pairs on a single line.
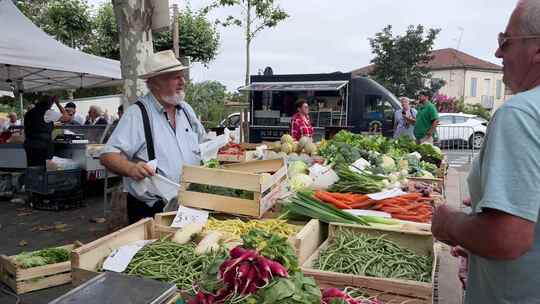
[[209, 149]]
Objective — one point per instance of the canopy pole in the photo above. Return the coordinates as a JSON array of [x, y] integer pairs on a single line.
[[18, 90]]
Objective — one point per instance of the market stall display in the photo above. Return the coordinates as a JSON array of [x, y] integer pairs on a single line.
[[367, 261], [30, 271]]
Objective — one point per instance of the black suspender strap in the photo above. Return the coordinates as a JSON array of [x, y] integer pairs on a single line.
[[147, 132]]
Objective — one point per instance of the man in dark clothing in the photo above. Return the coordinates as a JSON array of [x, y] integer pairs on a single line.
[[37, 131]]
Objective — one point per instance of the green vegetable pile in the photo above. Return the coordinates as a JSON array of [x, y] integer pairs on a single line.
[[221, 191], [347, 147], [168, 261], [373, 256], [296, 289], [272, 246], [41, 257]]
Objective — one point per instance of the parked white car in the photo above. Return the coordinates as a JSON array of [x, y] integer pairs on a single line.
[[461, 130]]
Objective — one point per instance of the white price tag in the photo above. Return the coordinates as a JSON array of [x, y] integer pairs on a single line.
[[185, 216], [120, 258], [386, 194]]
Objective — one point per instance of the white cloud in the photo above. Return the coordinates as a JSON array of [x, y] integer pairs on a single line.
[[332, 35]]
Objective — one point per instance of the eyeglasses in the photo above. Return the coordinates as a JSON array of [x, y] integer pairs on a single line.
[[503, 39]]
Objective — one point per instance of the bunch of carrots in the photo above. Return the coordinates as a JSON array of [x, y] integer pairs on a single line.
[[410, 207]]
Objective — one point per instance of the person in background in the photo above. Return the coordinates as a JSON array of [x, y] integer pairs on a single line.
[[71, 109], [95, 117], [501, 235], [427, 119], [38, 125], [300, 123], [175, 131], [11, 121], [404, 119]]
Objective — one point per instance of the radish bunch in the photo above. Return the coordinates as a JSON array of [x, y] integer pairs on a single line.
[[334, 295], [243, 274]]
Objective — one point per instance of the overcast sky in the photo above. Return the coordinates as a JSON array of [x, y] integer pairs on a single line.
[[323, 36]]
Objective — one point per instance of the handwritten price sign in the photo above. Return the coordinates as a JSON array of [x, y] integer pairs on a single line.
[[185, 216]]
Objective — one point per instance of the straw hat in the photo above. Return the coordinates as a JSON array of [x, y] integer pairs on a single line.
[[161, 63]]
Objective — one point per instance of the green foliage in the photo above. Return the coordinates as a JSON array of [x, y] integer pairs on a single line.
[[106, 41], [208, 100], [473, 109], [198, 38], [272, 246], [69, 21], [400, 61]]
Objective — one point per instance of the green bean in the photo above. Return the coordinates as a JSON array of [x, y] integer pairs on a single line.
[[372, 256]]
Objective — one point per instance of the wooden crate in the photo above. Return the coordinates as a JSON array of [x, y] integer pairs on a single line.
[[249, 176], [305, 242], [35, 278], [248, 155], [419, 242], [87, 259]]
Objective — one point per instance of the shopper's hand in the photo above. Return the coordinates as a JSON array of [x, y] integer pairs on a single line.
[[442, 216], [140, 171], [467, 201]]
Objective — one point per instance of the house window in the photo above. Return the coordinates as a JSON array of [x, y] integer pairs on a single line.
[[474, 86], [487, 87], [499, 89]]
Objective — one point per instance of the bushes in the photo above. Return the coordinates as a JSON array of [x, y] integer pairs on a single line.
[[446, 104]]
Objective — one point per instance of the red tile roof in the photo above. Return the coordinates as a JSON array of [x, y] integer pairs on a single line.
[[446, 59]]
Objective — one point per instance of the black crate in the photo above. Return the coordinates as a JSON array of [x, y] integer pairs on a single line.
[[41, 181], [57, 201]]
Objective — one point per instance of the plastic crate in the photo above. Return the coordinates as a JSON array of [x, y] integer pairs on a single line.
[[39, 180], [57, 201]]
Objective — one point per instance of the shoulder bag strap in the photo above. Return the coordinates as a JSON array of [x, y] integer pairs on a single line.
[[147, 132]]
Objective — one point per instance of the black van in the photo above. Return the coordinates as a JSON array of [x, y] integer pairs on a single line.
[[337, 101]]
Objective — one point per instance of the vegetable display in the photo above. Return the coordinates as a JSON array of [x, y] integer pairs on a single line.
[[306, 205], [41, 257], [238, 227], [272, 246], [337, 296], [411, 207], [168, 261], [361, 254]]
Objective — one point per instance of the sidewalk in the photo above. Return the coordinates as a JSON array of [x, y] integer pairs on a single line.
[[449, 287]]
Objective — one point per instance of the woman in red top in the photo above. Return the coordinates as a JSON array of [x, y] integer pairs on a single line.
[[300, 123]]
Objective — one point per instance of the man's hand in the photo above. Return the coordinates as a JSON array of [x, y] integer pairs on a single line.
[[458, 251], [140, 171], [440, 223]]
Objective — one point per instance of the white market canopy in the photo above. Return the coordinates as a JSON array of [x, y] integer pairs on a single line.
[[32, 61]]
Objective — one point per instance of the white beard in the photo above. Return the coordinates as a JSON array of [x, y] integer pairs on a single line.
[[175, 99]]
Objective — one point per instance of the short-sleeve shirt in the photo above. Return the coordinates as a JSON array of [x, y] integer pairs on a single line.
[[173, 148], [427, 113], [506, 177], [402, 126], [301, 126]]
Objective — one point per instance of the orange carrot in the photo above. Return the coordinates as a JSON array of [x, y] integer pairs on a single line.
[[414, 218], [331, 200], [362, 205]]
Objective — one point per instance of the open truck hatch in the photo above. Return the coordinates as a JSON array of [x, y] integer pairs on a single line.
[[295, 86]]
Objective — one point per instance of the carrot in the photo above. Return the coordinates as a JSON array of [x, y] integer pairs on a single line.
[[331, 200], [341, 196], [362, 205], [361, 198], [411, 196]]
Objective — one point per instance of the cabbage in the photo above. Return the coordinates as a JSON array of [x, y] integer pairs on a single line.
[[300, 182], [297, 167], [388, 164]]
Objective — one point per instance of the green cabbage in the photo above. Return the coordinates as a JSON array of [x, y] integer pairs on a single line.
[[297, 167], [300, 182]]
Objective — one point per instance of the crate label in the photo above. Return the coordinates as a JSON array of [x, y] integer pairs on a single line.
[[120, 258], [185, 216]]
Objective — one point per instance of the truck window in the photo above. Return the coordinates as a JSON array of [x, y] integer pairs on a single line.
[[374, 107]]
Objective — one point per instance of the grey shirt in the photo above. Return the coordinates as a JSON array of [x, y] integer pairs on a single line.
[[173, 148]]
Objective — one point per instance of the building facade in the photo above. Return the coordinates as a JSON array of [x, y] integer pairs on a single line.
[[474, 80]]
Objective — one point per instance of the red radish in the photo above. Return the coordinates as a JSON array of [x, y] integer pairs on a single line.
[[264, 268], [278, 269], [249, 255], [251, 277], [243, 270], [224, 266], [237, 252], [333, 293]]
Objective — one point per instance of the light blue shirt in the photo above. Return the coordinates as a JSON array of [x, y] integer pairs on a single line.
[[506, 177], [402, 126], [173, 148]]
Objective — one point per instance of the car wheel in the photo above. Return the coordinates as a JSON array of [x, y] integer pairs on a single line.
[[477, 140]]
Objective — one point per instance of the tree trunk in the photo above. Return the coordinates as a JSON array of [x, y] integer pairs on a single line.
[[248, 39], [134, 20]]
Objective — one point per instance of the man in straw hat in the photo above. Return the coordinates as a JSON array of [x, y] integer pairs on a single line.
[[160, 126]]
